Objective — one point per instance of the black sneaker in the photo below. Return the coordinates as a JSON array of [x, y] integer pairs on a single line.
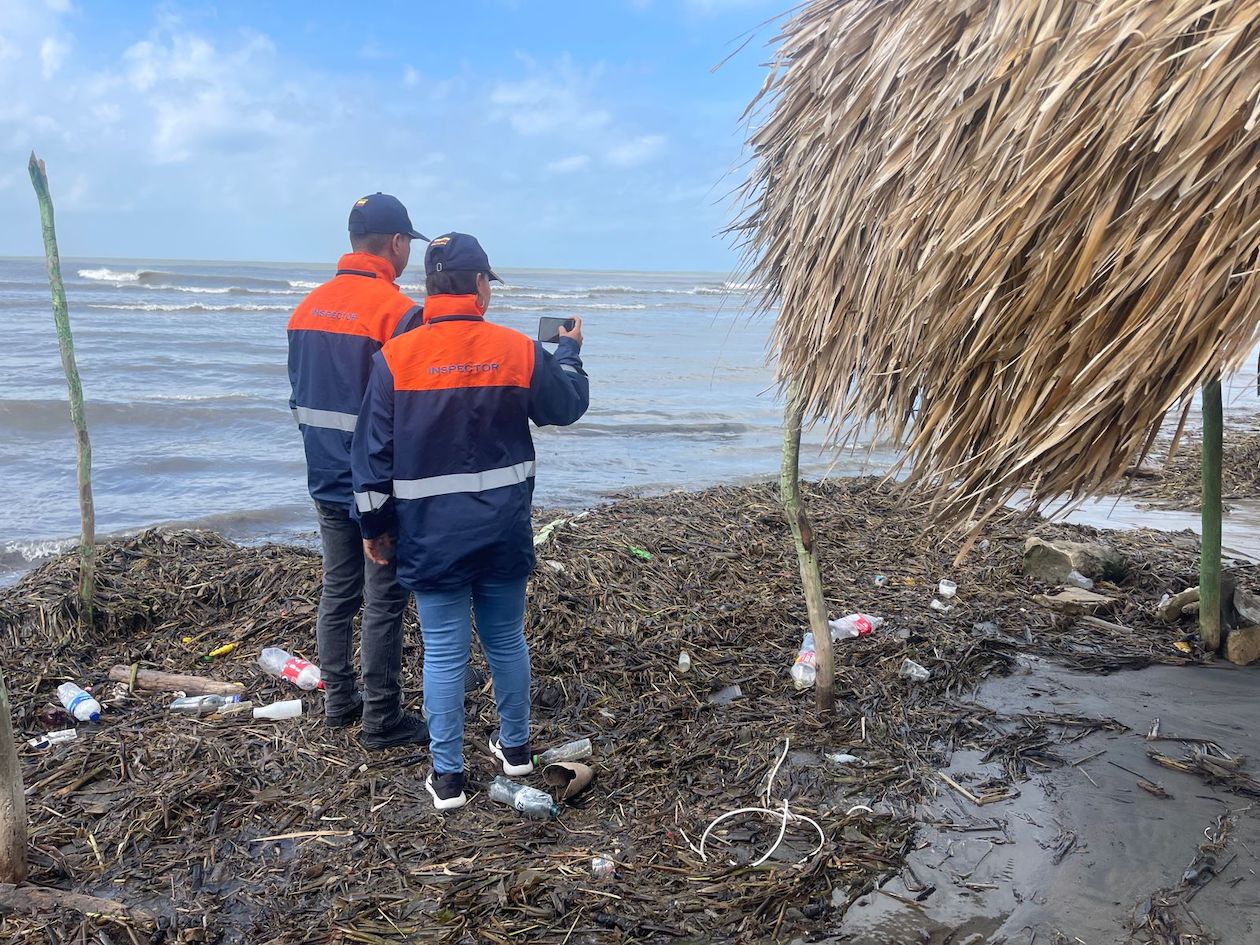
[[474, 679], [408, 730], [447, 790], [348, 717], [517, 762]]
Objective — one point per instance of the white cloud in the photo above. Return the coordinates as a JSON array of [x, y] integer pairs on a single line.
[[570, 165], [552, 100], [58, 6], [52, 53], [636, 151], [200, 98], [411, 77]]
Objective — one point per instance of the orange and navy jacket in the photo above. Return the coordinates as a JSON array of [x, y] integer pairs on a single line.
[[333, 334], [442, 452]]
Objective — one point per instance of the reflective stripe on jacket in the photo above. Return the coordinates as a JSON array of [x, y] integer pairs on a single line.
[[442, 450], [333, 334]]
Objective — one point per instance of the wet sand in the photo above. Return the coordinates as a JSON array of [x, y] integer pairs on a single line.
[[994, 868]]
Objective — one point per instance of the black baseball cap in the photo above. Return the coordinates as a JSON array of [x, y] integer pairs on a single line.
[[381, 213], [457, 252]]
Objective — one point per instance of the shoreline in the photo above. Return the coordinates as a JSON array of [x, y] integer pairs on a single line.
[[672, 751]]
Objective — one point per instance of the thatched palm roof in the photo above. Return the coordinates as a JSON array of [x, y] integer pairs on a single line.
[[1014, 233]]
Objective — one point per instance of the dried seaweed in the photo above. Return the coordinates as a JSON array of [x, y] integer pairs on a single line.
[[242, 831]]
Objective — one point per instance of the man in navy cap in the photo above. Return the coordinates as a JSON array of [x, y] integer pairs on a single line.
[[443, 455], [333, 335]]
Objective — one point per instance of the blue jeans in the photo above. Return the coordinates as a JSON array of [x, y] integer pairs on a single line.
[[446, 624]]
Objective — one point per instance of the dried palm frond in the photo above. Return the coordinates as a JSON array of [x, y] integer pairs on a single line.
[[1010, 234]]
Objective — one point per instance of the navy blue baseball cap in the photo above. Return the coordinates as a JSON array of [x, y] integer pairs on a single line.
[[381, 213], [457, 252]]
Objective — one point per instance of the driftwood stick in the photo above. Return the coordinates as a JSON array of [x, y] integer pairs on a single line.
[[1210, 546], [173, 682], [36, 899], [65, 341], [12, 799]]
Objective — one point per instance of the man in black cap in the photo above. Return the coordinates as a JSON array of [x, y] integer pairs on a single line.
[[333, 335]]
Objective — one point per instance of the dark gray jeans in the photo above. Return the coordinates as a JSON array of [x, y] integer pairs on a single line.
[[351, 580]]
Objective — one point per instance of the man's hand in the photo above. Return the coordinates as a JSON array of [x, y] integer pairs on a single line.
[[575, 332], [379, 550]]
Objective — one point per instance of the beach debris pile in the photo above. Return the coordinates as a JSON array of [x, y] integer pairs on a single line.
[[231, 829]]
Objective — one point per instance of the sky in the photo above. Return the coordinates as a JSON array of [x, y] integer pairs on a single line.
[[592, 134]]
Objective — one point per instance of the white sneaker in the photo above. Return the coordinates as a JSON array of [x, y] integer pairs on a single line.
[[448, 791], [517, 762]]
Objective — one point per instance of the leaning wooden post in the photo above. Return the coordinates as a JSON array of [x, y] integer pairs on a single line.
[[806, 555], [61, 316], [12, 799], [1210, 546]]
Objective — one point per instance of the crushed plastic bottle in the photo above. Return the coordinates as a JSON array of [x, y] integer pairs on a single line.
[[288, 709], [1076, 579], [79, 703], [529, 801], [53, 738], [913, 671], [201, 705], [279, 663], [570, 751], [854, 625], [804, 670], [842, 758], [940, 606], [684, 662], [880, 580]]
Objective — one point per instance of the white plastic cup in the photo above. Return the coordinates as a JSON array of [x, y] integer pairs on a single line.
[[288, 709], [947, 588]]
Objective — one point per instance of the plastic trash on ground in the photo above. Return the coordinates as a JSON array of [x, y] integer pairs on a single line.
[[201, 705], [79, 702], [288, 709], [946, 588], [279, 663], [53, 738], [804, 670], [913, 671], [529, 801], [602, 867], [1076, 579], [684, 662], [570, 751], [726, 695], [854, 625]]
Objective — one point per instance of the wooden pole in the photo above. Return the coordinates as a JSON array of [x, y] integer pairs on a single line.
[[806, 554], [61, 317], [12, 799], [1210, 547]]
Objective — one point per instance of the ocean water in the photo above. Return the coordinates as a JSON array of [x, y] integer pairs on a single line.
[[185, 380], [184, 373]]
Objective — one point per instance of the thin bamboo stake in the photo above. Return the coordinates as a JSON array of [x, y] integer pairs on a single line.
[[1210, 547], [61, 316], [12, 799], [806, 556]]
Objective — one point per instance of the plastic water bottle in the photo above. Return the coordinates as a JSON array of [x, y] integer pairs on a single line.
[[854, 625], [202, 705], [279, 663], [289, 709], [803, 670], [569, 751], [684, 662], [78, 703], [529, 801]]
